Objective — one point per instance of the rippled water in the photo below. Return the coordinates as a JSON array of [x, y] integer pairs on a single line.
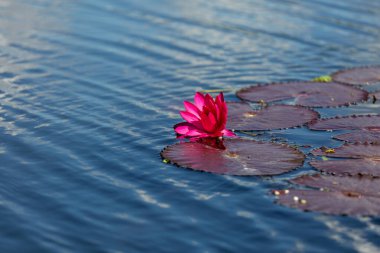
[[89, 91]]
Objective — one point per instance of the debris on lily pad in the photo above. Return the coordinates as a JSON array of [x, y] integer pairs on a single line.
[[358, 76], [365, 160], [360, 136], [242, 117], [310, 94], [334, 195], [357, 150], [323, 79], [353, 122], [235, 156], [366, 166]]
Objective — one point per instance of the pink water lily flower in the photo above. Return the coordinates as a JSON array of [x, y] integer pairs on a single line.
[[205, 118]]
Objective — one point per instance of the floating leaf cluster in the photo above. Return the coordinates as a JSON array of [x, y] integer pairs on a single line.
[[350, 181]]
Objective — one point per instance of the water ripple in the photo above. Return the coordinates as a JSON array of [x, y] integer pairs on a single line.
[[90, 90]]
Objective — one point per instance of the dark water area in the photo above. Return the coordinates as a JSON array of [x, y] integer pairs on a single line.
[[90, 90]]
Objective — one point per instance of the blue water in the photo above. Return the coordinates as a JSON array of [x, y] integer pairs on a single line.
[[89, 91]]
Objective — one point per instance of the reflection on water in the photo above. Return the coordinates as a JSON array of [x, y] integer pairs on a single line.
[[89, 91], [357, 237]]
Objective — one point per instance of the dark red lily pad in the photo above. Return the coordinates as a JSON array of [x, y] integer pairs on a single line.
[[351, 151], [358, 76], [354, 122], [361, 185], [242, 117], [360, 136], [311, 94], [366, 160], [236, 157], [334, 202], [335, 195], [361, 167]]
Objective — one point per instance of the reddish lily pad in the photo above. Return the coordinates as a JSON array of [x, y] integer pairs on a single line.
[[358, 76], [354, 122], [361, 167], [335, 202], [361, 185], [236, 156], [360, 136], [366, 160], [351, 151], [335, 195], [312, 94], [242, 117]]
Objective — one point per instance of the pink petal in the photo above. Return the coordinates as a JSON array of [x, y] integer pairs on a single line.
[[187, 130], [228, 133], [189, 117], [219, 104], [217, 115], [224, 114], [212, 121], [199, 100], [205, 122], [182, 128], [191, 108], [208, 122], [209, 102], [195, 133], [220, 98]]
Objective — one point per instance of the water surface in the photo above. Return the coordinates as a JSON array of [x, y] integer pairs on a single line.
[[89, 91]]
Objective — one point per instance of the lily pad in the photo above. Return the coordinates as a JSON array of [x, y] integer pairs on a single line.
[[242, 117], [366, 166], [357, 150], [335, 195], [361, 185], [236, 156], [366, 160], [353, 122], [360, 136], [358, 76], [311, 94]]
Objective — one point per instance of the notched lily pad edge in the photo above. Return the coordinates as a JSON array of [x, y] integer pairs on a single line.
[[303, 202], [338, 117], [351, 68], [367, 94], [341, 146], [336, 137], [345, 174]]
